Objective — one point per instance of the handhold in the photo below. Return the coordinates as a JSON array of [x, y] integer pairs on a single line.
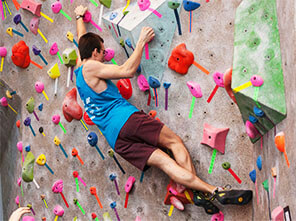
[[20, 55], [28, 168], [153, 82], [190, 5], [259, 162], [93, 216], [109, 54], [112, 176], [113, 15], [4, 102], [27, 121], [34, 24], [87, 119], [56, 141], [252, 175], [56, 119], [125, 88], [181, 59], [17, 200], [106, 3], [54, 49], [40, 107], [256, 80], [113, 205], [57, 187], [30, 105], [3, 51], [92, 139], [54, 72], [227, 84], [69, 57], [93, 190], [214, 137], [226, 165], [107, 217], [36, 51], [58, 210], [278, 214], [41, 130], [56, 7], [258, 112], [129, 184], [194, 89], [273, 172], [253, 119], [87, 17], [166, 85], [265, 185], [8, 94], [144, 4], [173, 4], [176, 203], [17, 19], [41, 160], [279, 141], [9, 31], [28, 218], [18, 123], [128, 43], [218, 78], [251, 130], [39, 86], [218, 217], [71, 108], [180, 196], [19, 146], [142, 83], [70, 36], [28, 148], [32, 6], [75, 174]]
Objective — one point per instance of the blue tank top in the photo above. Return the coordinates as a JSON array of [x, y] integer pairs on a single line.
[[108, 109]]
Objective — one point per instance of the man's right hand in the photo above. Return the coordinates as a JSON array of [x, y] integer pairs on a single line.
[[147, 34], [80, 10], [17, 214]]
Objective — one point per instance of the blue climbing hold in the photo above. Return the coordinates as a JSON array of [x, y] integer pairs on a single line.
[[113, 205], [153, 82], [92, 139], [190, 6], [166, 85], [112, 176], [253, 119], [259, 162], [40, 107], [252, 175], [128, 43], [258, 112], [139, 70], [28, 148], [113, 15]]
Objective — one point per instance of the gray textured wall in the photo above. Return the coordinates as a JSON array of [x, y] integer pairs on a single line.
[[212, 43]]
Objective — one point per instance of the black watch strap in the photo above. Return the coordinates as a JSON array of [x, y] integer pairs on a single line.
[[79, 16]]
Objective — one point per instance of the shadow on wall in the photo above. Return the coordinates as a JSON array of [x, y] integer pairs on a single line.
[[9, 136]]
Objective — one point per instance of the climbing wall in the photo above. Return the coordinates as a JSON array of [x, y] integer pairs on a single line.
[[212, 42]]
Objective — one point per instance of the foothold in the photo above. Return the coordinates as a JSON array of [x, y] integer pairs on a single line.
[[41, 160], [166, 85], [218, 78], [28, 148], [8, 94], [54, 49], [253, 119], [142, 83], [4, 102], [259, 162], [112, 176], [190, 5], [93, 190], [17, 19], [27, 121], [28, 168], [218, 217], [56, 141], [144, 4], [57, 187], [194, 89], [257, 81], [252, 175], [56, 7], [58, 210], [69, 57], [125, 88], [74, 152], [265, 185], [75, 174], [128, 43], [70, 36], [20, 55], [278, 214], [258, 112], [181, 59], [251, 130], [32, 6], [226, 165], [34, 24], [18, 123], [92, 139], [273, 172], [30, 105], [109, 54], [113, 15], [40, 107], [129, 184], [153, 82], [279, 141], [19, 146], [39, 86], [56, 119], [71, 108], [54, 72], [111, 153], [173, 4], [28, 218], [215, 137], [17, 200], [113, 205], [93, 216]]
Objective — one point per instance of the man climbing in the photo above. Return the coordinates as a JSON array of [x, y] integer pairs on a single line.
[[134, 135]]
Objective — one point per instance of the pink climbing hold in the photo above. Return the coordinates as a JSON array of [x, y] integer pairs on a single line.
[[194, 89], [144, 4], [3, 102], [54, 49], [56, 7], [142, 83], [218, 217], [278, 214], [34, 24], [57, 187], [214, 137], [39, 86], [218, 78], [109, 54], [56, 119], [28, 218], [251, 130], [256, 80], [177, 203], [58, 210]]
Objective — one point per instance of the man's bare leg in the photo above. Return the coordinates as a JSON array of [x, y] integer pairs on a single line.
[[180, 175], [173, 142]]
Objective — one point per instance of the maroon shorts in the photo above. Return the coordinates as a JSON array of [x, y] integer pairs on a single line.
[[138, 139]]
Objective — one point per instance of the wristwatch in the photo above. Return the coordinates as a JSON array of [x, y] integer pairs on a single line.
[[79, 16]]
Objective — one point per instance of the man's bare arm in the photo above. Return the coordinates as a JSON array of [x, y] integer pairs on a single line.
[[129, 68]]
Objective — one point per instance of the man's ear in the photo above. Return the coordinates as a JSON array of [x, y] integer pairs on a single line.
[[95, 52]]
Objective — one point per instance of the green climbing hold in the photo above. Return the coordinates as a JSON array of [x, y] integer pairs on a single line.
[[30, 105], [28, 168], [257, 52], [226, 165], [265, 185], [106, 3]]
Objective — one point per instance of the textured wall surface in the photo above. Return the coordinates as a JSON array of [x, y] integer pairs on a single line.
[[211, 41]]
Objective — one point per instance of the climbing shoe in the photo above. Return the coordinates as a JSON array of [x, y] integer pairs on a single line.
[[226, 195], [202, 200]]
